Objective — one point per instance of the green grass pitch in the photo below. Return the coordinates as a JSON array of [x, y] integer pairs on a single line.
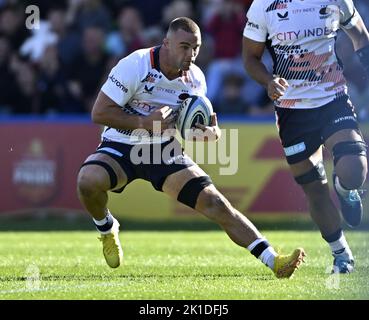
[[171, 265]]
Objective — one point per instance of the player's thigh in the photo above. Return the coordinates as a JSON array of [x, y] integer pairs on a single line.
[[194, 188], [102, 171], [344, 135], [310, 175], [175, 182], [304, 166]]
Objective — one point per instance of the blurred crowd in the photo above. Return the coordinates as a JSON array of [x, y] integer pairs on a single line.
[[59, 67]]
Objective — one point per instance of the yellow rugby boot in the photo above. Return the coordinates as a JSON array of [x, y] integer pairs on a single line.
[[285, 265], [112, 248]]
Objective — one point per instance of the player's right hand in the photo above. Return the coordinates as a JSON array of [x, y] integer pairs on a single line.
[[164, 115], [277, 88]]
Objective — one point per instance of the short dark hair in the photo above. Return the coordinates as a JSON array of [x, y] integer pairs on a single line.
[[184, 23]]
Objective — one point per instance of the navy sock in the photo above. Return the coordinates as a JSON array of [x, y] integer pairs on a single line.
[[104, 224]]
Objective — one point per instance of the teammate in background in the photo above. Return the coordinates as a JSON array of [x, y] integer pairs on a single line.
[[312, 105], [147, 86]]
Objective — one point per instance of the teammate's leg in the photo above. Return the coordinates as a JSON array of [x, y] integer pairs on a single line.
[[194, 188], [350, 170], [98, 174], [310, 175]]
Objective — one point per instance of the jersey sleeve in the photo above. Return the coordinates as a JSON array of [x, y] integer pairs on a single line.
[[349, 16], [256, 27], [123, 80], [201, 87], [204, 87]]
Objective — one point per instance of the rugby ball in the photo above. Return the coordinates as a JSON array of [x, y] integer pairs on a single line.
[[195, 109]]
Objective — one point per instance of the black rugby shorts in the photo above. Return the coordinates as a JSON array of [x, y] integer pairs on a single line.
[[158, 161], [303, 131]]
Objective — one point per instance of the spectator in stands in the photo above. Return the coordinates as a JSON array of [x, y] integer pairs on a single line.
[[88, 70], [52, 85], [129, 36], [231, 99], [26, 100], [177, 8], [226, 28], [12, 26], [7, 79], [69, 41], [151, 11], [152, 36], [87, 13], [65, 21]]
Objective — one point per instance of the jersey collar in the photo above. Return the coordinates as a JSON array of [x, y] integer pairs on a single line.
[[154, 58]]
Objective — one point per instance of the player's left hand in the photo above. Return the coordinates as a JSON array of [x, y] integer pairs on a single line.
[[207, 133]]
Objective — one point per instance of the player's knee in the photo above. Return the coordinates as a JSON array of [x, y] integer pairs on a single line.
[[352, 171], [96, 176], [88, 183], [347, 150], [351, 163]]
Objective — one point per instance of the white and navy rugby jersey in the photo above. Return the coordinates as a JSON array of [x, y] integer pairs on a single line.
[[301, 35], [137, 85]]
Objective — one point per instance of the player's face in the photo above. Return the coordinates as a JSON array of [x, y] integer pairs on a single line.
[[184, 48]]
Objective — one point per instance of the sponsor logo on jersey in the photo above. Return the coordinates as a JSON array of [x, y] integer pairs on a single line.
[[183, 96], [252, 25], [166, 90], [151, 77], [141, 105], [296, 34], [118, 83], [304, 10], [148, 90], [324, 12], [278, 5], [283, 16], [288, 35]]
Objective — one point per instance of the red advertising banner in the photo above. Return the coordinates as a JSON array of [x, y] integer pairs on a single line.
[[40, 162]]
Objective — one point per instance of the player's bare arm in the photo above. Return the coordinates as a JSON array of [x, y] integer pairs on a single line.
[[359, 36], [106, 112], [252, 55]]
